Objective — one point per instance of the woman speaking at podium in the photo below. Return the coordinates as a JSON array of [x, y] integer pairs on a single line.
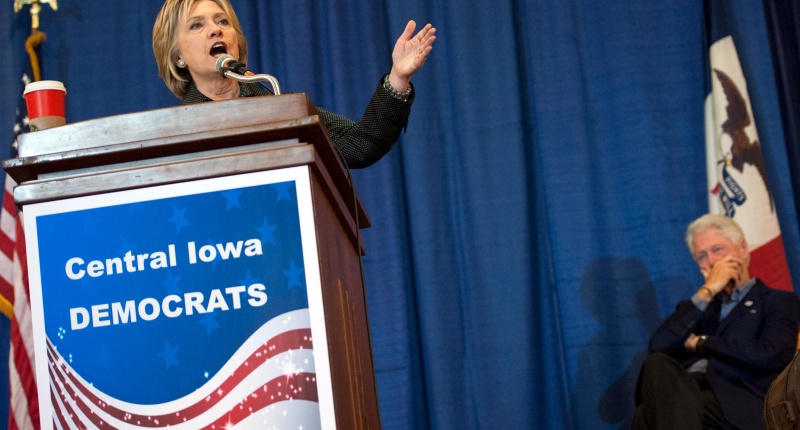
[[190, 35]]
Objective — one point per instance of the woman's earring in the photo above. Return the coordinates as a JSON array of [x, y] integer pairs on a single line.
[[181, 63]]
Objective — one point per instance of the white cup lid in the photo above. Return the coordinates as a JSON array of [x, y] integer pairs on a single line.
[[44, 85]]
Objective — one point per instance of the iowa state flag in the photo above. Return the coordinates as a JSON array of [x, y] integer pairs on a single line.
[[737, 175]]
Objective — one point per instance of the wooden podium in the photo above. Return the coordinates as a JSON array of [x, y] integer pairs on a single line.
[[193, 143]]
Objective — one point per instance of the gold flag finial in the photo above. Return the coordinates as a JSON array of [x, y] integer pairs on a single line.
[[36, 7]]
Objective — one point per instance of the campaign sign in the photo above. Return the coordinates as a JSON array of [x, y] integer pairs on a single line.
[[191, 306]]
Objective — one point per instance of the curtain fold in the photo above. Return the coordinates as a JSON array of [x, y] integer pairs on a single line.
[[783, 24]]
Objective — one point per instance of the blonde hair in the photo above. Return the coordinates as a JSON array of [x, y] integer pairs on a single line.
[[728, 227], [165, 41]]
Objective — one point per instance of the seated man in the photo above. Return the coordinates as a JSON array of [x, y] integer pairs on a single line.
[[712, 361]]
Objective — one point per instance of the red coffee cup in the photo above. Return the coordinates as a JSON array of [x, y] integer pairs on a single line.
[[45, 101]]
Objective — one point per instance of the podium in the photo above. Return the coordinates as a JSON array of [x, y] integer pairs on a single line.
[[196, 267]]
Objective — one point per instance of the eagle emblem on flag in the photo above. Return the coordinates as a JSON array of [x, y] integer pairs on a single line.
[[742, 150]]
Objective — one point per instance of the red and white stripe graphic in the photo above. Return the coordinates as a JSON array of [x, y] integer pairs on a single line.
[[270, 382]]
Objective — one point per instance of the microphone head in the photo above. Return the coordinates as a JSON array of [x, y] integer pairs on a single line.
[[222, 63]]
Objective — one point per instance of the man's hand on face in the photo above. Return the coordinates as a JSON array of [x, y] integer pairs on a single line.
[[722, 261], [725, 275]]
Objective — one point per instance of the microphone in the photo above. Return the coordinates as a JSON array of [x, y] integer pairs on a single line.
[[226, 63], [228, 67]]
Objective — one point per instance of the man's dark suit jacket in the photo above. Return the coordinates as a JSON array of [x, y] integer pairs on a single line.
[[746, 351]]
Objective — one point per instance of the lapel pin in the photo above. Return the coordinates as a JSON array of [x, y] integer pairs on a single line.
[[748, 303]]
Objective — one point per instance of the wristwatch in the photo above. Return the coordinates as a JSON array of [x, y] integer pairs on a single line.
[[700, 341]]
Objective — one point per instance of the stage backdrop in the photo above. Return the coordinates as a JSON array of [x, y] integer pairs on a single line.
[[527, 230]]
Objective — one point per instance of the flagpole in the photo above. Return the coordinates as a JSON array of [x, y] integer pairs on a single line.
[[37, 37]]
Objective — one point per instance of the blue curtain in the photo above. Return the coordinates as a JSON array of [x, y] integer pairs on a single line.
[[527, 230], [783, 21]]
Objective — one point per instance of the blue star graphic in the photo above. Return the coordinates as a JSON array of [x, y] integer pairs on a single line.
[[248, 279], [178, 218], [294, 273], [232, 196], [210, 321], [172, 284], [169, 355], [266, 231], [126, 247], [283, 190]]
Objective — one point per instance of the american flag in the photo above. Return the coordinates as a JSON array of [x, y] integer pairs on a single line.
[[24, 403]]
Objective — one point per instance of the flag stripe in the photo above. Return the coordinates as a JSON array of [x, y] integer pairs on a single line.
[[9, 223], [768, 261], [8, 227], [19, 417]]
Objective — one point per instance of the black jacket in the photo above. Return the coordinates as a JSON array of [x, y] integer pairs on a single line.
[[360, 143]]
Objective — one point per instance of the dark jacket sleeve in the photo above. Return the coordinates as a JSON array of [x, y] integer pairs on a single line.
[[364, 142], [670, 336]]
